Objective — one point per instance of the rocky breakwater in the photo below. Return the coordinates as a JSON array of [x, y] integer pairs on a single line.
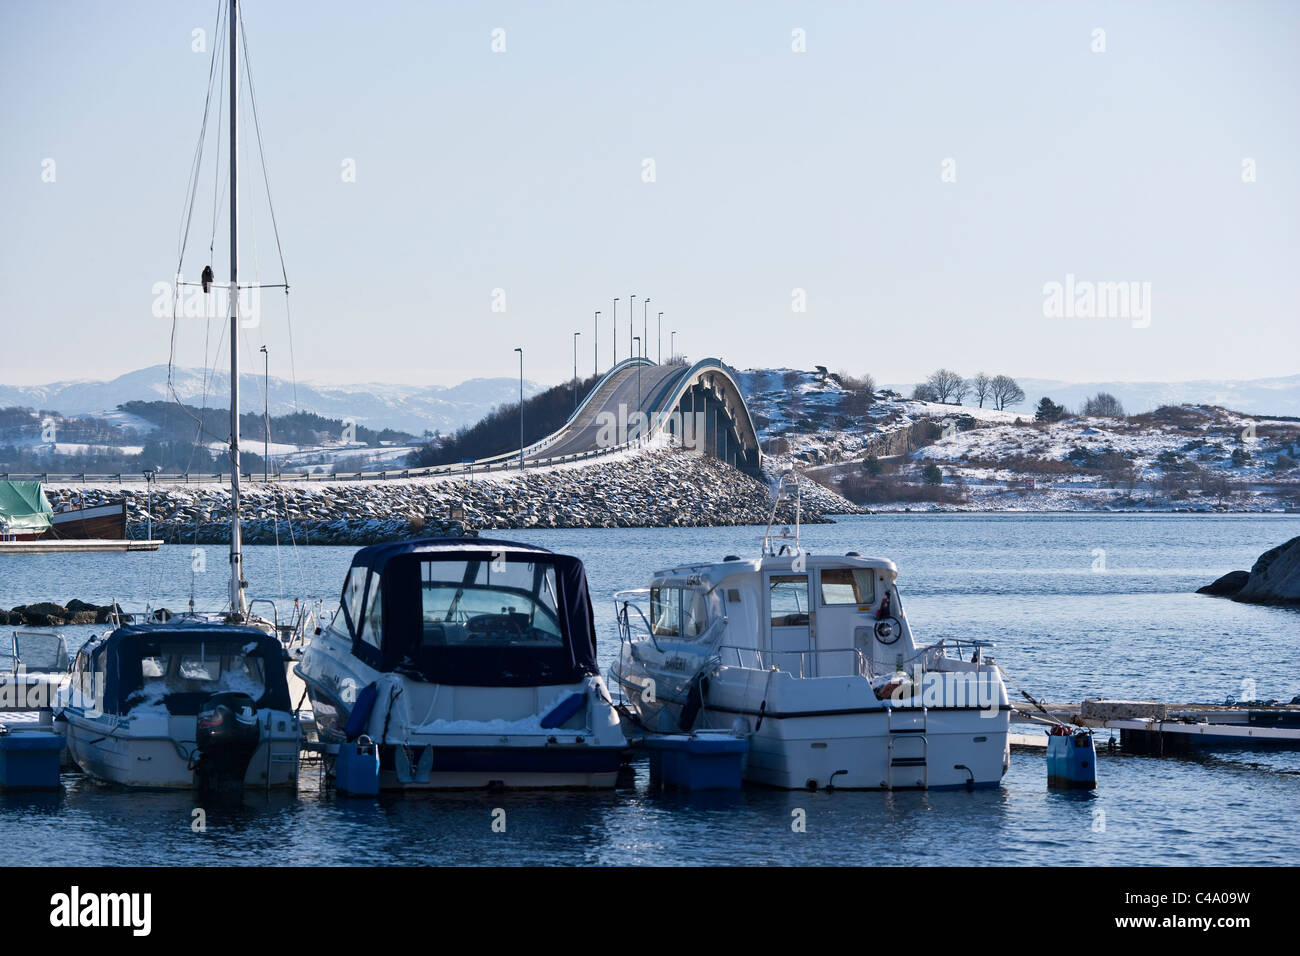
[[1273, 579], [658, 488]]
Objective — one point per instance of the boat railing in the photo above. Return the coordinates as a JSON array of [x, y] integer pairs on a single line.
[[624, 605], [955, 648], [809, 662]]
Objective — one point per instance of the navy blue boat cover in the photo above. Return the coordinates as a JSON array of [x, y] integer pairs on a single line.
[[119, 658], [403, 649]]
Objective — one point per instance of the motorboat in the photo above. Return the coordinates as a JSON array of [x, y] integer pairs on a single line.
[[183, 704], [33, 671], [469, 663], [812, 657]]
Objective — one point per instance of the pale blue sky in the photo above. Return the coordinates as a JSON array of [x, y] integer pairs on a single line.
[[775, 170]]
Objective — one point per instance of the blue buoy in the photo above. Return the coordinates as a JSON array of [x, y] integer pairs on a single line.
[[356, 771], [29, 758], [1071, 759]]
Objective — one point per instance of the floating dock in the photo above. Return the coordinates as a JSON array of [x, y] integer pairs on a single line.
[[1154, 727], [67, 545]]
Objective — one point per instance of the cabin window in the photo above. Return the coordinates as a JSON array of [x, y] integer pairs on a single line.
[[198, 669], [370, 628], [353, 592], [789, 599], [490, 603], [847, 586], [666, 611], [695, 614]]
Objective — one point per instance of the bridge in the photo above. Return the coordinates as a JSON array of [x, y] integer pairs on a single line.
[[698, 407]]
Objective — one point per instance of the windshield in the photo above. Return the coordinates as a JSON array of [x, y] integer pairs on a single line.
[[36, 652], [490, 602]]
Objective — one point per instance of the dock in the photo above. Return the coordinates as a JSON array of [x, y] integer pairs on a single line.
[[1154, 727], [74, 545]]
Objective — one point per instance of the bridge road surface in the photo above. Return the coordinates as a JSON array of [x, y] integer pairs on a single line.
[[619, 389]]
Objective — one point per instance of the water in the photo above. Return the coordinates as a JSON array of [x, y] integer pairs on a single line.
[[1078, 606]]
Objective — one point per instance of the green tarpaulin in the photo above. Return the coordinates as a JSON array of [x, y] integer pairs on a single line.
[[24, 508]]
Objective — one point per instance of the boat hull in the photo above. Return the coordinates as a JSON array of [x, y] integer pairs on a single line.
[[811, 733], [156, 754]]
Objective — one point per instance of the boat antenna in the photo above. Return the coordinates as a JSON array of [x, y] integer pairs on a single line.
[[787, 488]]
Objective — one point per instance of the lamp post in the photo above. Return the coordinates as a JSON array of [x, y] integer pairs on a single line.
[[672, 345], [640, 415], [645, 339], [521, 408], [614, 324], [575, 370], [266, 414], [659, 336], [595, 345], [631, 317], [148, 482]]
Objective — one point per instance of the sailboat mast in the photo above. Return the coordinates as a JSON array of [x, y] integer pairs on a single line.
[[237, 604]]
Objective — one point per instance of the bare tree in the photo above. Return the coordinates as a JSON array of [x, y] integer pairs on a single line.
[[924, 392], [948, 386], [1103, 405], [1005, 391], [982, 386]]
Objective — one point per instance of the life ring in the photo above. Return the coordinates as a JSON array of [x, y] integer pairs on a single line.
[[889, 630]]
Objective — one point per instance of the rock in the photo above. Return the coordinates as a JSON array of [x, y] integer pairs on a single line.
[[1226, 586], [1275, 577]]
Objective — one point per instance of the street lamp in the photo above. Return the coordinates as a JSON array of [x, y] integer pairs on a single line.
[[672, 345], [659, 335], [631, 316], [575, 370], [640, 414], [521, 408], [595, 345], [614, 324], [645, 339], [266, 413]]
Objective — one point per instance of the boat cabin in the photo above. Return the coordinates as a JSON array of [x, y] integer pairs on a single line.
[[173, 668], [469, 612], [810, 615]]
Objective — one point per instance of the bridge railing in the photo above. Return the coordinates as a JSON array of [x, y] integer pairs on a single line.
[[500, 463]]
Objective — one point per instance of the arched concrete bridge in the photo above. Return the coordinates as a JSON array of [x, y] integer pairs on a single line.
[[700, 406]]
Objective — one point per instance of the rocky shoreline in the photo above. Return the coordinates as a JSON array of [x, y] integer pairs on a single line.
[[654, 488]]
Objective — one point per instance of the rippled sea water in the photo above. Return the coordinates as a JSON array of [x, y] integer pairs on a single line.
[[1078, 606]]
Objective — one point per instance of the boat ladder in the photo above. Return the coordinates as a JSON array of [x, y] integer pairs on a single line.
[[908, 747]]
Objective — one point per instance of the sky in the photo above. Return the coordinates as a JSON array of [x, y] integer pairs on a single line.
[[879, 188]]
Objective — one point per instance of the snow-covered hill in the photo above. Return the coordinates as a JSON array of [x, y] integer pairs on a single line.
[[1260, 396], [888, 452]]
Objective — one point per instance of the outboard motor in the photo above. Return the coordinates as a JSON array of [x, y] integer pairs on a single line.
[[226, 735]]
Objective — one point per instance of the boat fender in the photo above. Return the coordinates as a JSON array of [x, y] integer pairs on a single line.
[[694, 703], [359, 719], [565, 709]]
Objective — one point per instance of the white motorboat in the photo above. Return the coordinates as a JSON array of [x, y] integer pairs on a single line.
[[813, 658], [185, 704], [469, 663]]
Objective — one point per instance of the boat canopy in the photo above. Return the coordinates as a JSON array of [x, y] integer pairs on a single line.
[[24, 509], [470, 612], [180, 664]]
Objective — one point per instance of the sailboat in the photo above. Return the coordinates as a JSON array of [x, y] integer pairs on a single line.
[[201, 700]]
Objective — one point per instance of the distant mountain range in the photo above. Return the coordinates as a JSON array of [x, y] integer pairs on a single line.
[[411, 408], [1260, 396]]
